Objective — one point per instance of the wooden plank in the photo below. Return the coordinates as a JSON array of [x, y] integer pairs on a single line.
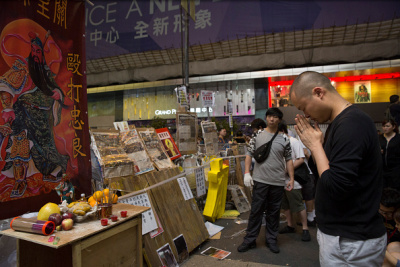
[[77, 255], [178, 216]]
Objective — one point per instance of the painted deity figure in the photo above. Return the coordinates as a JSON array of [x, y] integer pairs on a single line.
[[30, 119]]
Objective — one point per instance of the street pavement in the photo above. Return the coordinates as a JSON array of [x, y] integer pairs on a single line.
[[293, 251]]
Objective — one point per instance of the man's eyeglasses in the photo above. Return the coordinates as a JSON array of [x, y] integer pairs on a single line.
[[386, 213]]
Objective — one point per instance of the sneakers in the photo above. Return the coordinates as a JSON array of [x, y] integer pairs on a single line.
[[305, 236], [273, 247], [245, 246], [287, 229]]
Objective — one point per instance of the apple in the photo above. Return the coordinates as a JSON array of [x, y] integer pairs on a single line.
[[59, 228], [67, 224], [68, 215], [56, 218]]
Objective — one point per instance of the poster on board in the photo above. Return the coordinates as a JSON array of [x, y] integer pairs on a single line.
[[362, 92], [168, 143]]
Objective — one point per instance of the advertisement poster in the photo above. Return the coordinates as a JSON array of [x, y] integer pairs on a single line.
[[169, 143], [362, 92], [44, 126]]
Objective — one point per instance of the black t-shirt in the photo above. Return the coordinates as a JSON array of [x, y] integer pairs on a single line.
[[349, 192]]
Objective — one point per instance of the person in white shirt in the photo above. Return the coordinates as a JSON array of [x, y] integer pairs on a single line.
[[292, 201]]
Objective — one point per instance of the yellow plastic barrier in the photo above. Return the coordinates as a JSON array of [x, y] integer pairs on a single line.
[[217, 188]]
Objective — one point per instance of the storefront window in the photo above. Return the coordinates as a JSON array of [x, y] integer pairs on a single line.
[[279, 96]]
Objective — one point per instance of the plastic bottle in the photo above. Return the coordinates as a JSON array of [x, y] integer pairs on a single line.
[[83, 198]]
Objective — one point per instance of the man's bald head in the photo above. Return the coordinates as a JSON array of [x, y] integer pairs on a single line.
[[306, 81]]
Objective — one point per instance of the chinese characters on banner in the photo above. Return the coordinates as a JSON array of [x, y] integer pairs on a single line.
[[149, 222], [142, 23], [44, 125]]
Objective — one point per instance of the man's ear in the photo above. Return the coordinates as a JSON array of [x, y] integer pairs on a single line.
[[318, 92]]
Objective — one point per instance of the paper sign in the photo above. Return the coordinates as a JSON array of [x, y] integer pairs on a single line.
[[159, 230], [207, 98], [200, 182], [185, 188], [148, 220], [182, 96]]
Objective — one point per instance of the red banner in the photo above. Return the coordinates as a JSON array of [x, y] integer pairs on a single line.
[[44, 137]]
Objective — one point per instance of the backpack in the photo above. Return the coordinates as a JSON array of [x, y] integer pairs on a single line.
[[261, 153], [388, 115]]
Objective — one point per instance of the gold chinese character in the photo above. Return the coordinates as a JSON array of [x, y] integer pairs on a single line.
[[76, 142], [73, 63], [76, 123], [71, 94], [43, 5], [60, 13]]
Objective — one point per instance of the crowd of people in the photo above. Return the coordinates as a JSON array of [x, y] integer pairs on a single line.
[[345, 181]]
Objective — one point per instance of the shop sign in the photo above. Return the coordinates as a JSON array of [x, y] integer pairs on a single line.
[[165, 112], [200, 110]]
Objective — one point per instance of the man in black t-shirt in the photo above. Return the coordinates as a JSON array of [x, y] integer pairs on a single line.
[[349, 164]]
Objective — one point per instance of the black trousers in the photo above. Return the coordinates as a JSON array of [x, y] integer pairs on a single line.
[[266, 198]]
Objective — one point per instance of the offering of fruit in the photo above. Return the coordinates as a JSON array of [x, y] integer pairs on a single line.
[[47, 210], [67, 224], [56, 218]]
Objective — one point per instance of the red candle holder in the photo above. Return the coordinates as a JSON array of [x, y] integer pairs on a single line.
[[114, 218], [104, 222], [124, 213]]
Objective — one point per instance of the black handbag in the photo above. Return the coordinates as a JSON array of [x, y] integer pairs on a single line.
[[301, 174], [261, 153]]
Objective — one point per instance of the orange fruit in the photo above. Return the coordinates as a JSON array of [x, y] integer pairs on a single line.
[[114, 199], [90, 199], [98, 195], [93, 203], [106, 192]]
